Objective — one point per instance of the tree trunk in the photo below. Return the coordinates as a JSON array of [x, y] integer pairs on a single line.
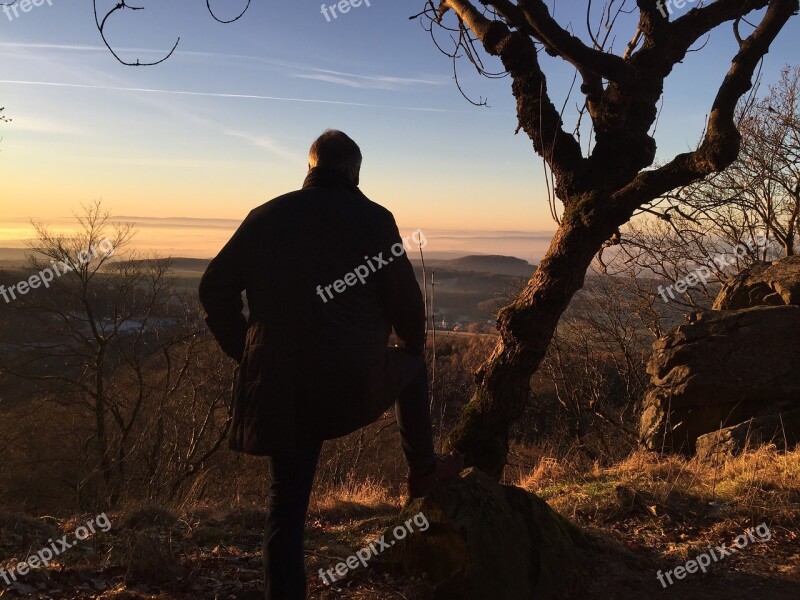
[[526, 329], [100, 419]]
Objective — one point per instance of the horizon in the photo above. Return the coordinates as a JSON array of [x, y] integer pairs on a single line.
[[170, 236]]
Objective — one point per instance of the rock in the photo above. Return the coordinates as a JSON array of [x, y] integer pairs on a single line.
[[781, 429], [487, 540], [767, 284], [720, 370], [711, 377], [20, 533], [145, 517], [149, 558]]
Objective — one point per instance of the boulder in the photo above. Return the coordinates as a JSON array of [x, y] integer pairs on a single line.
[[781, 429], [718, 370], [767, 284], [487, 540]]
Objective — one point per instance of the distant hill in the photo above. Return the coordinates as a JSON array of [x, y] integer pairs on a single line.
[[13, 257], [491, 263], [190, 264], [479, 263]]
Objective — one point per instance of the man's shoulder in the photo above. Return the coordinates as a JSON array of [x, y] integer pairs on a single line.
[[378, 209], [275, 204], [291, 201]]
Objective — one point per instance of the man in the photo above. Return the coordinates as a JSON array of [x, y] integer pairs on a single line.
[[326, 280]]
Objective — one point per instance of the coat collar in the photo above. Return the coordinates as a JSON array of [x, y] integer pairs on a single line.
[[322, 177]]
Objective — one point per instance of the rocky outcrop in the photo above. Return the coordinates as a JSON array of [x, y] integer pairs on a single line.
[[781, 429], [730, 378], [487, 540], [719, 370], [768, 284]]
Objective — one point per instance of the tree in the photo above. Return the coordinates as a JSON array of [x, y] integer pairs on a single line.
[[602, 190], [753, 206], [760, 192], [595, 371], [3, 118], [107, 335], [765, 181]]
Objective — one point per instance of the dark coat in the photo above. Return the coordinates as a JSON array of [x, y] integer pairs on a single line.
[[311, 359]]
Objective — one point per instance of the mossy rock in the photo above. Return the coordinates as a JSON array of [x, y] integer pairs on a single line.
[[149, 559], [147, 517], [20, 533], [486, 540]]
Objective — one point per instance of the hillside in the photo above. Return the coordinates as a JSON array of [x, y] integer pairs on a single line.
[[496, 264], [493, 264]]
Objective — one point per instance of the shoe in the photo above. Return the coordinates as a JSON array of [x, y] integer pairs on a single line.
[[448, 466]]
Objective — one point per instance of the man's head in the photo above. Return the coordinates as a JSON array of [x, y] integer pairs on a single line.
[[334, 150]]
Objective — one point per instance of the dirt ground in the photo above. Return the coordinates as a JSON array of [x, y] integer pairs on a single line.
[[219, 558]]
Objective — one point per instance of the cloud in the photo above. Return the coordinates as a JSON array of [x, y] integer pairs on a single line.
[[296, 70], [268, 144], [380, 82], [215, 95], [74, 47], [306, 71]]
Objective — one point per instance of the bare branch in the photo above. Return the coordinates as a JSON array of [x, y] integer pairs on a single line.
[[538, 116], [101, 26], [720, 145], [216, 18], [559, 42]]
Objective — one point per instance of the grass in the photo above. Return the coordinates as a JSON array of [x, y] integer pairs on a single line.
[[760, 483], [353, 499], [663, 509]]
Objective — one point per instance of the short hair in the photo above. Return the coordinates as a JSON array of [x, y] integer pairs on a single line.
[[336, 151]]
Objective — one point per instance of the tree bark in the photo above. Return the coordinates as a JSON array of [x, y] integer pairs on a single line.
[[526, 328]]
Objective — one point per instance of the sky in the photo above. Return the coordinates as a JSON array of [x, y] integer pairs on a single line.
[[225, 123]]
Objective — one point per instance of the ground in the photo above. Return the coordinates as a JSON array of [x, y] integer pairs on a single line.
[[643, 515]]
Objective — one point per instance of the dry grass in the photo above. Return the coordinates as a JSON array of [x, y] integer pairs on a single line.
[[149, 558], [761, 483], [354, 500], [664, 509]]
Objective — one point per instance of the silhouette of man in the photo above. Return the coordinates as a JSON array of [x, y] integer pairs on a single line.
[[326, 280]]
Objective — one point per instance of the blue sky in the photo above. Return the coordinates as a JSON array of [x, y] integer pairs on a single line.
[[226, 122]]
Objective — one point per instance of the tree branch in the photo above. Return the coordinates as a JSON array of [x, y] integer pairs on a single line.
[[559, 42], [720, 145], [699, 21], [537, 114]]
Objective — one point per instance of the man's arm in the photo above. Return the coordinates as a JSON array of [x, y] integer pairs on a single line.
[[221, 294], [402, 296]]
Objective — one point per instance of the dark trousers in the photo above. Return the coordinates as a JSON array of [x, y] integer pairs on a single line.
[[292, 475]]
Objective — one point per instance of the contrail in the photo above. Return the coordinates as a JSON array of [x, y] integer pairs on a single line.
[[212, 95]]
